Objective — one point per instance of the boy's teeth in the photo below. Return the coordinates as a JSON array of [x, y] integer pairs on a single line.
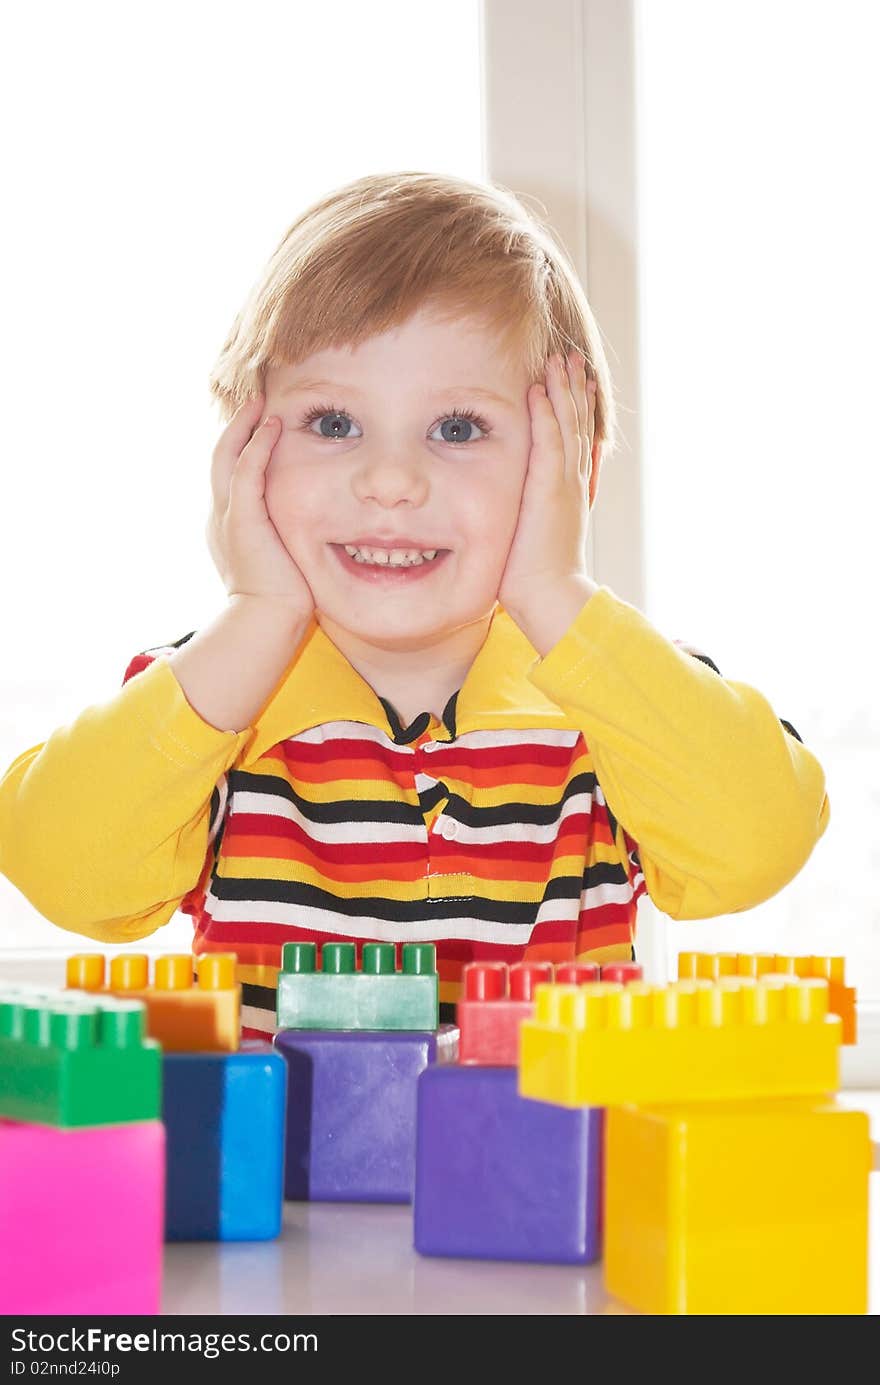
[[395, 557]]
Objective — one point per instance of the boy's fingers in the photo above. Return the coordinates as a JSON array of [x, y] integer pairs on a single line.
[[231, 443], [254, 457]]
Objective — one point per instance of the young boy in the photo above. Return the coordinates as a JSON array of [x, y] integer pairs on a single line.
[[416, 718]]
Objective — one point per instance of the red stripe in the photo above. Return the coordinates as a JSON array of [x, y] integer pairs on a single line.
[[355, 750], [244, 831]]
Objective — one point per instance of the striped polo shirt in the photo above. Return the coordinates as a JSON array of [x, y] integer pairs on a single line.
[[486, 831]]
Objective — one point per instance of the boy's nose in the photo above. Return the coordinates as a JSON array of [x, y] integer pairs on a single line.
[[392, 477]]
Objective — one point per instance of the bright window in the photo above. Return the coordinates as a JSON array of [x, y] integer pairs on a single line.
[[153, 160], [759, 229]]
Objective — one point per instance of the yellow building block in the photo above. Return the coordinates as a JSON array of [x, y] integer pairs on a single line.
[[738, 1207], [714, 965], [185, 1017], [737, 1038]]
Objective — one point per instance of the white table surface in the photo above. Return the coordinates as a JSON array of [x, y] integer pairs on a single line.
[[357, 1258]]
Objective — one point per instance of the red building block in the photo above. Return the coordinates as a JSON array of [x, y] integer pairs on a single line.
[[497, 999]]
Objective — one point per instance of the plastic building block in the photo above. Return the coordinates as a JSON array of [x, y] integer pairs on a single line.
[[183, 1016], [70, 1059], [714, 965], [351, 1111], [224, 1117], [496, 1000], [737, 1038], [738, 1208], [494, 1004], [81, 1215], [618, 971], [499, 1177], [339, 997]]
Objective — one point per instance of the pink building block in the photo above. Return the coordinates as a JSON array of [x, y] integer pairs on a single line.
[[81, 1218]]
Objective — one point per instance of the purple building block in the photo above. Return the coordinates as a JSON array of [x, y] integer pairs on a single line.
[[502, 1177], [351, 1110]]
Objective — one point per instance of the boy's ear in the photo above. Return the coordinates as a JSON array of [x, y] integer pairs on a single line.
[[594, 472]]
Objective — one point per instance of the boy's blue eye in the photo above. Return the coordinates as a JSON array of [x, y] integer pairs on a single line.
[[457, 422]]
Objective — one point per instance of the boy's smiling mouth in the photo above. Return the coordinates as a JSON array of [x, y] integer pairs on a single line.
[[384, 562]]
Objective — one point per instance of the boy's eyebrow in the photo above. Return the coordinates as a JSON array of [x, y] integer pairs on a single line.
[[352, 389]]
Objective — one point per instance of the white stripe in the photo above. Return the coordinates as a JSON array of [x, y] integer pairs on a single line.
[[499, 740], [471, 740], [254, 1017], [347, 731], [423, 782], [605, 893]]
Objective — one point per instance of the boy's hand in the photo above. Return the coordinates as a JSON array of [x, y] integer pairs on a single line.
[[549, 546], [247, 549]]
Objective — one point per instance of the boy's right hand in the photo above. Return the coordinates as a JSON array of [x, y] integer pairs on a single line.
[[245, 545]]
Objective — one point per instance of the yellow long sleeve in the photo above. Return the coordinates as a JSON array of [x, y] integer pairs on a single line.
[[726, 805], [104, 826]]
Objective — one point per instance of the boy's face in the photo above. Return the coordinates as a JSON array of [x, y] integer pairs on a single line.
[[383, 458]]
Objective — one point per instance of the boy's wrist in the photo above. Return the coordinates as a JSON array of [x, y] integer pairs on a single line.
[[551, 611], [288, 607]]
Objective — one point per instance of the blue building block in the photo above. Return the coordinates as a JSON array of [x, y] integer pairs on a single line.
[[502, 1177], [224, 1121], [351, 1110]]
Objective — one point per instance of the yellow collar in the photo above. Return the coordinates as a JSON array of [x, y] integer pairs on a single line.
[[320, 685]]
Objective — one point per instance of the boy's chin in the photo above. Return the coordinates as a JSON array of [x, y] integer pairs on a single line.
[[401, 630]]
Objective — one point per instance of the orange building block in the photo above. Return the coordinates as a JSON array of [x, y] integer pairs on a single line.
[[713, 965], [185, 1017], [738, 1207], [701, 1040]]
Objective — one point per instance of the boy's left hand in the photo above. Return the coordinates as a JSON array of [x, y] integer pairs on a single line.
[[549, 545]]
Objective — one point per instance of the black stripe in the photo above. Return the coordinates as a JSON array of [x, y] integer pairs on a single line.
[[342, 810], [405, 912], [376, 810], [429, 798], [532, 814], [261, 997], [389, 911]]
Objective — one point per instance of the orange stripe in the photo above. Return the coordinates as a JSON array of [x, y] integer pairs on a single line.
[[612, 935], [266, 849]]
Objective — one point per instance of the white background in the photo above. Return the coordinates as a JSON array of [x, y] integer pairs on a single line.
[[152, 161]]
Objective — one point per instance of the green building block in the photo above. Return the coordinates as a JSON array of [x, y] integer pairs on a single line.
[[71, 1059], [340, 997]]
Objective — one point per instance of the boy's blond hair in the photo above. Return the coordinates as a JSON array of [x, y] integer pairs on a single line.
[[367, 256]]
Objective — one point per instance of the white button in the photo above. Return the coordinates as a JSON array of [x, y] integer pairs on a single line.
[[448, 829]]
